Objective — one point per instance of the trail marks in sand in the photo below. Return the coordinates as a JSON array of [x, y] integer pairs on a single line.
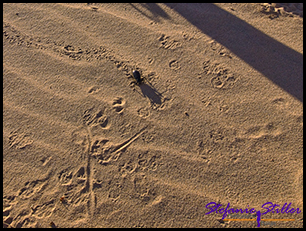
[[220, 76], [118, 104], [98, 147], [167, 43], [30, 206], [60, 48], [19, 140]]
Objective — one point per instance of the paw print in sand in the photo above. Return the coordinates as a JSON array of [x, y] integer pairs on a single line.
[[118, 104]]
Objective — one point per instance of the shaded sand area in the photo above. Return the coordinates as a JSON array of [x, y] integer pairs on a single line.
[[218, 117]]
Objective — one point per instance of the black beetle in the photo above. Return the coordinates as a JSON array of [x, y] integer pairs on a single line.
[[136, 75]]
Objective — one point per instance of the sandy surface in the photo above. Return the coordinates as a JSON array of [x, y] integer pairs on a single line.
[[218, 117]]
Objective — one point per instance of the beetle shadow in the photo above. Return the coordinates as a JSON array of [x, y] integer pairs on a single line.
[[148, 91]]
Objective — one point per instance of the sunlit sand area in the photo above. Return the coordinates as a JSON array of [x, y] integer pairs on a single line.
[[213, 113]]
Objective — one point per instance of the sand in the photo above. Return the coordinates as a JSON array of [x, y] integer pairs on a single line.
[[218, 117]]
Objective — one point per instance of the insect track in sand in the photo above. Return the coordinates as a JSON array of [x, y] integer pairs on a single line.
[[61, 48], [102, 150], [89, 177]]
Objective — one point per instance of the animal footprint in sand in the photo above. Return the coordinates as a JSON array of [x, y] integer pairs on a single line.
[[7, 220], [31, 188], [263, 131], [93, 90], [168, 43], [21, 219], [44, 210], [127, 168], [143, 188], [174, 65], [8, 204], [19, 140], [280, 103], [144, 112], [115, 189], [148, 161], [96, 118], [223, 82], [222, 78], [106, 151], [65, 177], [78, 191], [188, 36], [102, 150], [204, 151], [118, 104], [219, 49]]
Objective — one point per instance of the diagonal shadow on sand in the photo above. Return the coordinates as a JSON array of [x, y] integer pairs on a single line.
[[155, 10], [279, 63], [151, 93]]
